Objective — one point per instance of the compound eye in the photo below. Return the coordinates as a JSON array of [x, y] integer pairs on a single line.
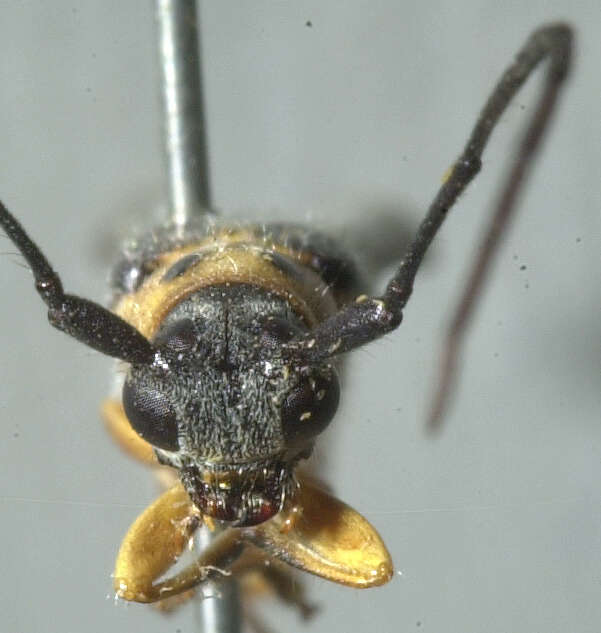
[[277, 330], [309, 407], [151, 415], [180, 336]]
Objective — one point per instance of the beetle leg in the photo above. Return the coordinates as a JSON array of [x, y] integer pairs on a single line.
[[323, 536], [120, 430], [155, 541], [260, 574]]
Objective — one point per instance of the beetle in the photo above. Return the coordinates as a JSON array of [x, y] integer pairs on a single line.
[[229, 333], [380, 347]]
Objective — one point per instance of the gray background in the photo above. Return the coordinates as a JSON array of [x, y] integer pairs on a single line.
[[494, 526]]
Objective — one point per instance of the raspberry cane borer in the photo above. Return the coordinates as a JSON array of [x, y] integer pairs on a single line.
[[230, 333]]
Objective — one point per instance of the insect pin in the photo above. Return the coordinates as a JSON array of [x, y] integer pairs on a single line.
[[230, 333]]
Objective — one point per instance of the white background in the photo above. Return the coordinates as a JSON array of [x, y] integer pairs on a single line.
[[495, 525]]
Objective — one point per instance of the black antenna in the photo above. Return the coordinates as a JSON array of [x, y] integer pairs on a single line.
[[80, 318]]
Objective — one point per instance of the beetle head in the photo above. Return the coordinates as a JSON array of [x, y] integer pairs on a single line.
[[224, 407]]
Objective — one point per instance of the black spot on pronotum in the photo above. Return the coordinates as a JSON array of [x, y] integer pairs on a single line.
[[285, 265], [181, 266]]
